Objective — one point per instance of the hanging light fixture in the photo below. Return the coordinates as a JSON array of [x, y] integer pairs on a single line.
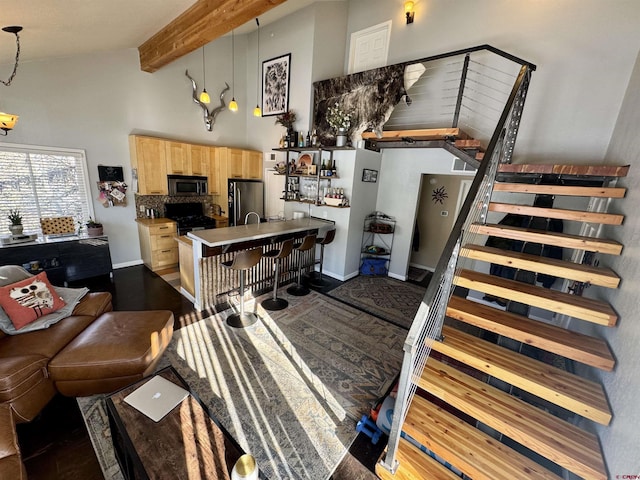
[[8, 120], [204, 96], [257, 112], [233, 105]]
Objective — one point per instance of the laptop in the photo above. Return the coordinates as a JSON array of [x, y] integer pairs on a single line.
[[156, 398]]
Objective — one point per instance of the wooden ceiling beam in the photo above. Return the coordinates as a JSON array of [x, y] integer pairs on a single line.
[[203, 22]]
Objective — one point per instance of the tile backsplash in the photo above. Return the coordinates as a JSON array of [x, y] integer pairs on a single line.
[[156, 202]]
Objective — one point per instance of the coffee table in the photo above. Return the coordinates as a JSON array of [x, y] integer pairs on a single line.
[[188, 443]]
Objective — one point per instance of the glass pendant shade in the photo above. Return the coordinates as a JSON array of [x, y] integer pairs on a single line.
[[204, 97], [257, 112], [7, 120], [233, 105]]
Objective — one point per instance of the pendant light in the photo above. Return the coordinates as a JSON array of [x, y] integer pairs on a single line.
[[257, 112], [204, 96], [233, 105]]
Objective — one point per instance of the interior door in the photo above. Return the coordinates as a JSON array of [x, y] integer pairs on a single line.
[[274, 188], [369, 47]]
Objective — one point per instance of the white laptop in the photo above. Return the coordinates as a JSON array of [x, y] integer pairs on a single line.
[[156, 398]]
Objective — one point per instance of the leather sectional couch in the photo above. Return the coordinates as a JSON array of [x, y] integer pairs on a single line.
[[94, 350]]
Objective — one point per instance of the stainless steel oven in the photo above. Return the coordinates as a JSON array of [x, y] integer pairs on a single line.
[[187, 185]]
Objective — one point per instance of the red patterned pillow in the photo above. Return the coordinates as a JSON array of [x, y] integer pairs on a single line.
[[29, 299]]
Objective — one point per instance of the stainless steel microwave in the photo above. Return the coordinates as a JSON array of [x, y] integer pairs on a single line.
[[187, 185]]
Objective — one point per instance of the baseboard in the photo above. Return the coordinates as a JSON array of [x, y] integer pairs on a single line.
[[342, 278], [398, 277], [423, 267], [132, 263]]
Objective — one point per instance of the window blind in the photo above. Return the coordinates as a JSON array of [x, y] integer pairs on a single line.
[[44, 182]]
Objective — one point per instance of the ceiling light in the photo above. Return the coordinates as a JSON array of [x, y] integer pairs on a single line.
[[204, 96], [7, 122], [408, 10], [233, 105], [257, 112], [15, 30]]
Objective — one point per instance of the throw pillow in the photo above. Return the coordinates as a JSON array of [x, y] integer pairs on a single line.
[[29, 299]]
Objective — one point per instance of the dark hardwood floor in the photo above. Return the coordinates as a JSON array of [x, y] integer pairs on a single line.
[[56, 446]]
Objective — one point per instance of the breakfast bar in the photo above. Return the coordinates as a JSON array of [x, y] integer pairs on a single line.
[[213, 282]]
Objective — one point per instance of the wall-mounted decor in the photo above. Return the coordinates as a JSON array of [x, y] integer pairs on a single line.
[[439, 195], [209, 115], [112, 194], [276, 74], [369, 175], [369, 97], [110, 174]]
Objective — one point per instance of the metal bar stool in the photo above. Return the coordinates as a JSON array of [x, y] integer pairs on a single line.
[[243, 261], [299, 290], [275, 303], [316, 280]]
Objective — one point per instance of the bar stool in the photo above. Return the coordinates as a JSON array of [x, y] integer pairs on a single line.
[[298, 290], [317, 281], [275, 303], [243, 261]]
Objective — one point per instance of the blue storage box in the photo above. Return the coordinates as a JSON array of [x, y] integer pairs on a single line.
[[374, 266]]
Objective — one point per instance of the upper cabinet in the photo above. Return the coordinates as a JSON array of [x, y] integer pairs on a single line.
[[148, 157], [155, 158]]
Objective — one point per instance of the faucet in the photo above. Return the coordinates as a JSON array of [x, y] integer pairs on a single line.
[[247, 217]]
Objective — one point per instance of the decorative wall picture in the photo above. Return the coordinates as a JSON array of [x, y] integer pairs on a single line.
[[275, 85], [370, 176], [112, 194], [110, 174]]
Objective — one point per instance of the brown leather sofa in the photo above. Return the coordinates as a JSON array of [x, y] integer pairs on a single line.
[[92, 351]]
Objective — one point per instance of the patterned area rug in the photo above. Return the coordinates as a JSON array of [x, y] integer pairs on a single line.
[[289, 388], [385, 297]]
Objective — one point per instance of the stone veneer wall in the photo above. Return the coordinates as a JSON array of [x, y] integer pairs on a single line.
[[157, 202]]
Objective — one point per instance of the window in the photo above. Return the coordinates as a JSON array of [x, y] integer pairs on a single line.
[[43, 182]]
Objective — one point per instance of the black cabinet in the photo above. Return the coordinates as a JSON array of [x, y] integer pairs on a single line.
[[64, 260]]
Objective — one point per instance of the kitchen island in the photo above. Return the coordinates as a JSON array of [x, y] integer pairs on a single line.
[[213, 282]]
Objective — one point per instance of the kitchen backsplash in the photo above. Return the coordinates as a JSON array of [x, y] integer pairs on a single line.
[[156, 202]]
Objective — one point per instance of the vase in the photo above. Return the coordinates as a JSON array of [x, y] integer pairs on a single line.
[[341, 138], [16, 229], [95, 231]]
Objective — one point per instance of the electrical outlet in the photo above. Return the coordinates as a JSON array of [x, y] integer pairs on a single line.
[[142, 209], [444, 213]]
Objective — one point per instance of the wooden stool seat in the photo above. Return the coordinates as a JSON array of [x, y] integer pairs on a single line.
[[299, 290], [242, 262]]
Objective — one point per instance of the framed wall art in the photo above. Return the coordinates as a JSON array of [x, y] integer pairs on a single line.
[[370, 176], [276, 74]]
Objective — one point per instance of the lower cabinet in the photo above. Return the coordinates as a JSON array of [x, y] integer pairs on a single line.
[[158, 244]]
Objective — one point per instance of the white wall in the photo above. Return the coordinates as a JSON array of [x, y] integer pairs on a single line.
[[584, 50]]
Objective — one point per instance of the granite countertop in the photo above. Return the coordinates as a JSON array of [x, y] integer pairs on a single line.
[[228, 235]]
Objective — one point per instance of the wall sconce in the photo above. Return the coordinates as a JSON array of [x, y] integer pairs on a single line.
[[408, 11], [7, 122]]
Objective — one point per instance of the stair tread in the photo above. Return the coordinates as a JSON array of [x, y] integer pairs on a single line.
[[569, 391], [576, 191], [583, 308], [578, 242], [415, 465], [558, 213], [576, 346], [570, 447], [604, 277], [473, 452], [583, 170]]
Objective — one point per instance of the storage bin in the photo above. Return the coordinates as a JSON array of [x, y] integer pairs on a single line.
[[373, 266]]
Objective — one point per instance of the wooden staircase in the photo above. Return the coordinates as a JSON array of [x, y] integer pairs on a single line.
[[497, 398]]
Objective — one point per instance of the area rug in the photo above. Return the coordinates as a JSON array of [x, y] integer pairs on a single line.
[[290, 388], [417, 274], [384, 297]]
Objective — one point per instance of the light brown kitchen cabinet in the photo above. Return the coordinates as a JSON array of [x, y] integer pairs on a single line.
[[178, 162], [148, 158], [252, 164], [199, 159], [216, 156], [158, 244], [235, 163]]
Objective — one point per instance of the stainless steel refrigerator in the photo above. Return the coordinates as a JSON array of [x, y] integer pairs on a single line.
[[245, 196]]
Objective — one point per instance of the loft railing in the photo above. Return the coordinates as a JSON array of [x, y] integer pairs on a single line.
[[428, 322], [466, 89]]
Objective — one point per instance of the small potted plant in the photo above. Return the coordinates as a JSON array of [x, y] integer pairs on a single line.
[[94, 229], [16, 222], [287, 119]]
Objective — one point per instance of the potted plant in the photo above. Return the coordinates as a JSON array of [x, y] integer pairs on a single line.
[[287, 119], [94, 229], [16, 222]]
